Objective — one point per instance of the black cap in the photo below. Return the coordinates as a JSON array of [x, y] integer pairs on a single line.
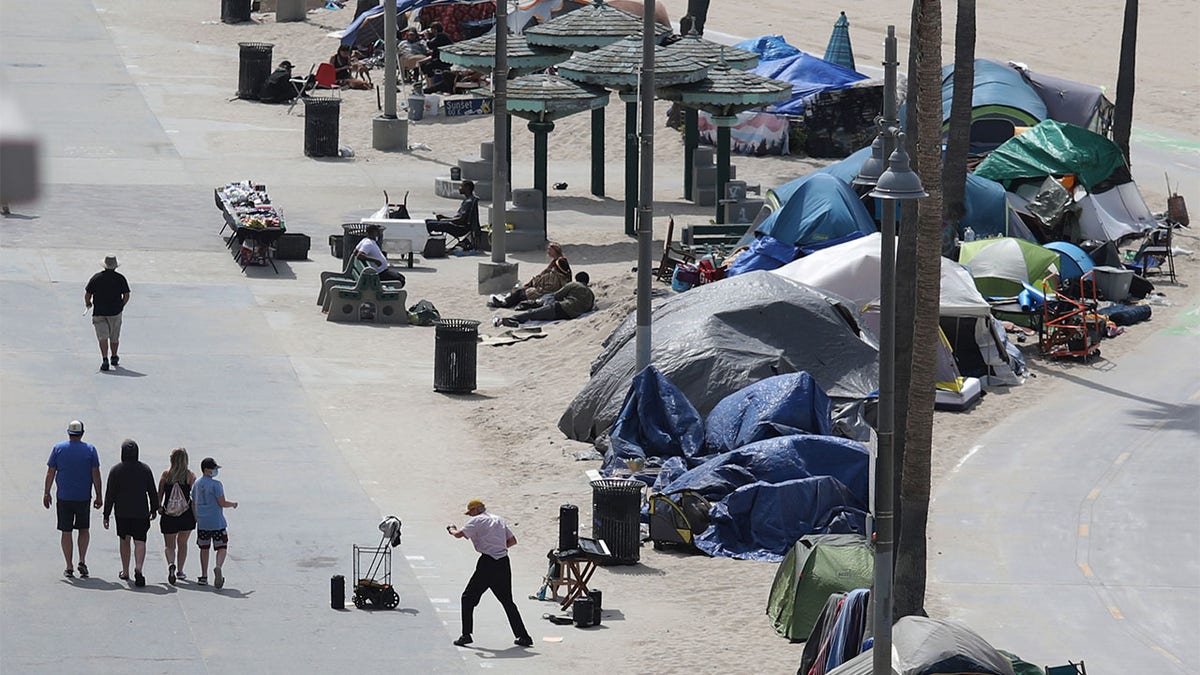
[[209, 463]]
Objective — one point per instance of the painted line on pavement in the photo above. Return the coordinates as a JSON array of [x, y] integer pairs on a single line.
[[965, 457], [1171, 657], [1115, 612]]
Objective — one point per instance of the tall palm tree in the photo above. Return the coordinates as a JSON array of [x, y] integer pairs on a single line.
[[954, 174], [1123, 110], [910, 576]]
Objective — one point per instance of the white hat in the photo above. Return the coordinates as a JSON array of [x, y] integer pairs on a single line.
[[75, 428]]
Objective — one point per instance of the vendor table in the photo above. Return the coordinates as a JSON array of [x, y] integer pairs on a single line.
[[256, 224], [398, 229]]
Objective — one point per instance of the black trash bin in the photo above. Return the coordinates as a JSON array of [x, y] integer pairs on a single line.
[[321, 115], [455, 345], [235, 11], [352, 233], [616, 514], [254, 65]]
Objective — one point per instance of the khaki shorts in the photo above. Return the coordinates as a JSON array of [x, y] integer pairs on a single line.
[[107, 327]]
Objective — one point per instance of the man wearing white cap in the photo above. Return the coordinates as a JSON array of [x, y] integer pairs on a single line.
[[75, 466], [109, 291]]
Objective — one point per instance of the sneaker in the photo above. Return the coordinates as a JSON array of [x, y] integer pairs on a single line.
[[203, 581], [138, 579], [83, 570], [218, 578], [69, 573], [171, 574], [524, 641], [180, 575], [510, 322], [496, 321], [463, 641], [104, 365], [116, 360]]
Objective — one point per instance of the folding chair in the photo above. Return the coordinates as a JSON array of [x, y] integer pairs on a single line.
[[327, 77], [1154, 253], [672, 255], [300, 85]]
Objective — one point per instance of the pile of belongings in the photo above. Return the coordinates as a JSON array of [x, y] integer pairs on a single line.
[[764, 459]]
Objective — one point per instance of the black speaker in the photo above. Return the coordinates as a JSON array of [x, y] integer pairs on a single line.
[[337, 592], [582, 611], [595, 596], [568, 527]]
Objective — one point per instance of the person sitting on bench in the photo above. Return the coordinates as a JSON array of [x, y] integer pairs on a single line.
[[556, 275], [464, 224], [369, 252], [569, 302]]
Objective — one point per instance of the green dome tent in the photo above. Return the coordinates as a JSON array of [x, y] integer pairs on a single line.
[[818, 565]]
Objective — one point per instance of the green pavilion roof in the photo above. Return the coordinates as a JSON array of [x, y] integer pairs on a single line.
[[705, 51], [589, 27], [480, 54], [727, 91], [617, 66], [549, 97]]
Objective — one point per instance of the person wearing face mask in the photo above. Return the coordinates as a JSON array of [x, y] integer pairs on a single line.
[[208, 500]]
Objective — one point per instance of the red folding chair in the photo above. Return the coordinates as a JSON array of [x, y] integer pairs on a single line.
[[327, 77]]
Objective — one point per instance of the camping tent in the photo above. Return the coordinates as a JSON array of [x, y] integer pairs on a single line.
[[1001, 267], [1083, 105], [1001, 101], [820, 208], [717, 338], [924, 646], [1053, 149], [815, 567]]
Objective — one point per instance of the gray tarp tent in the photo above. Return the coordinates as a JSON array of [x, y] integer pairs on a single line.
[[923, 646], [719, 337]]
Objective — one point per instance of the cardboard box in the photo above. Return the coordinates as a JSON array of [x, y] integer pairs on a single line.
[[459, 106]]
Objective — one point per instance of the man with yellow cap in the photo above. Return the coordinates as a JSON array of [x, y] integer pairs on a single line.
[[492, 539]]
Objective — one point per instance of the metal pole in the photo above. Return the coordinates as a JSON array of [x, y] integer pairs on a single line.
[[598, 152], [631, 163], [724, 126], [881, 657], [389, 59], [500, 131], [645, 225], [691, 139]]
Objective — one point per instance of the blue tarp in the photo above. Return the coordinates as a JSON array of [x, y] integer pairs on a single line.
[[996, 84], [768, 47], [779, 459], [761, 521], [402, 6], [777, 406], [656, 420], [765, 253], [1073, 262], [820, 208], [808, 75]]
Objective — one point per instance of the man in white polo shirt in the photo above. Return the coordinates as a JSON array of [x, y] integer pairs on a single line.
[[492, 539]]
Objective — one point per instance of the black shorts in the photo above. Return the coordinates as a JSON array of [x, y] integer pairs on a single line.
[[73, 515], [133, 527], [176, 524]]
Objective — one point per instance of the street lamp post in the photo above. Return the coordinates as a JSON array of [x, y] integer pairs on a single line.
[[646, 193], [895, 183]]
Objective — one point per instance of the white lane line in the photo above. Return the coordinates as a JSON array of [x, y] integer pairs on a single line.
[[965, 457]]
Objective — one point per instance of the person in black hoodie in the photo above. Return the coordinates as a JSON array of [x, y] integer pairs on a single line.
[[133, 494]]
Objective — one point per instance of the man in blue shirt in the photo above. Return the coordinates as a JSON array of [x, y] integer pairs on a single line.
[[75, 466], [208, 500]]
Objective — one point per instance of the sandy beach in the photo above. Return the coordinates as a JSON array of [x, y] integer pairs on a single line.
[[674, 613]]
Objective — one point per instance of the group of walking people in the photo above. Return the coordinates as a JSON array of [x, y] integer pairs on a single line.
[[181, 501]]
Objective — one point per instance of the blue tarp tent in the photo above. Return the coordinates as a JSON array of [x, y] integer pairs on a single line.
[[821, 208], [768, 47], [808, 75], [774, 460], [765, 253], [777, 406], [762, 521], [656, 420]]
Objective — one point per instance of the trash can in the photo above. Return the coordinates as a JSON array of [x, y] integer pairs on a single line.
[[235, 11], [321, 115], [616, 516], [254, 65], [352, 233], [568, 527], [455, 344]]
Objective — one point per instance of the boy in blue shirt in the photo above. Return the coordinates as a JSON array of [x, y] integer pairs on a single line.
[[75, 466], [208, 500]]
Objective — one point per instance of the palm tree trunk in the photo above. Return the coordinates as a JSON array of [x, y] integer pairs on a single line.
[[910, 573], [958, 143], [1123, 109]]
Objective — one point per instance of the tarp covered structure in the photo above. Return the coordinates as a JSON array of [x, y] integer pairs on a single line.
[[818, 565], [777, 406], [820, 208], [1053, 149], [717, 338], [809, 75], [656, 420], [925, 646]]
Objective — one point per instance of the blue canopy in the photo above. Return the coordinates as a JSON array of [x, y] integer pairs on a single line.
[[768, 47], [765, 253], [656, 420], [777, 406], [821, 207], [774, 460], [996, 84], [402, 6], [1074, 262], [808, 75], [761, 521]]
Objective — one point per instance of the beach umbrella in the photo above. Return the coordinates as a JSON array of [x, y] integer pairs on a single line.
[[1001, 266], [589, 27], [839, 51]]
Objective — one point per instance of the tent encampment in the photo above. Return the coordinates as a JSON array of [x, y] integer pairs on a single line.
[[717, 338], [1001, 101], [925, 646], [1001, 267], [815, 567], [809, 75], [819, 209]]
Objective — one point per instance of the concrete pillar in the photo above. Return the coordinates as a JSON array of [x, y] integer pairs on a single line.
[[389, 133], [289, 10]]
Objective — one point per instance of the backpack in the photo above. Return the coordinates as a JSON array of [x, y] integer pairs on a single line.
[[177, 503]]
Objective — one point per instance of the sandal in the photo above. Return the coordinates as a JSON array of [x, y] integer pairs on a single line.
[[123, 576]]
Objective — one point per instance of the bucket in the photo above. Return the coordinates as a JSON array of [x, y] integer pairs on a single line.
[[416, 108]]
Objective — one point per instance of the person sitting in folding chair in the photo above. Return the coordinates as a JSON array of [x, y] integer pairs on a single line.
[[463, 225], [279, 87], [348, 68]]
